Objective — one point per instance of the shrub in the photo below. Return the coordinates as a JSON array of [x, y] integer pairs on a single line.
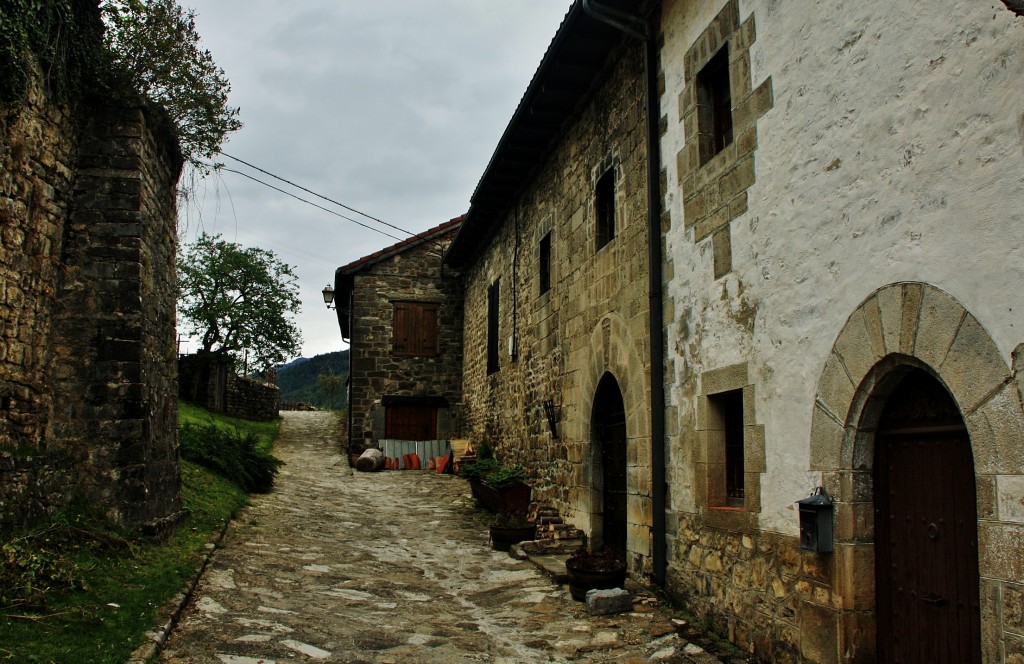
[[233, 455], [478, 469], [506, 476]]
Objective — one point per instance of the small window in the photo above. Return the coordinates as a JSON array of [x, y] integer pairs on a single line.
[[492, 326], [605, 204], [544, 264], [714, 106], [725, 411], [414, 329]]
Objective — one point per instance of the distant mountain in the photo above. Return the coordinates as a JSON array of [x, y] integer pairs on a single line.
[[297, 361], [299, 381]]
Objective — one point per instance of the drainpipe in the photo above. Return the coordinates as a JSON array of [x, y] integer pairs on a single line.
[[641, 29]]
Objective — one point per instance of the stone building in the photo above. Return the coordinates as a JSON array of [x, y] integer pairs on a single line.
[[88, 408], [553, 252], [401, 311], [844, 199], [836, 198]]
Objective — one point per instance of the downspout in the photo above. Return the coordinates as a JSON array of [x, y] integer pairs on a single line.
[[641, 29]]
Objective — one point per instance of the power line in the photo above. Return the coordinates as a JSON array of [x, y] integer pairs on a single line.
[[310, 191], [299, 198]]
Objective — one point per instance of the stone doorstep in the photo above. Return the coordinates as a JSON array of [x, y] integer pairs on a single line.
[[552, 565]]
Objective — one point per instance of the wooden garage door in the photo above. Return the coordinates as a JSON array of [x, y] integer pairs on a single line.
[[411, 422]]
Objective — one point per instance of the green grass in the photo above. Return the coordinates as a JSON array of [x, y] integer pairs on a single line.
[[265, 431], [136, 575]]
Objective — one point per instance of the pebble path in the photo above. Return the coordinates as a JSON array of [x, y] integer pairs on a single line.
[[390, 567]]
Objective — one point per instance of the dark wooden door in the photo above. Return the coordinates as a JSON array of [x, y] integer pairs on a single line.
[[609, 434], [926, 541], [411, 422]]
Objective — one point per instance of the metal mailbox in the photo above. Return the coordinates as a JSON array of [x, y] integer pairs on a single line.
[[816, 522]]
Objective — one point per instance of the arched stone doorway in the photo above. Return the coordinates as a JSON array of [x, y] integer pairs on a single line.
[[926, 532], [898, 330], [608, 433]]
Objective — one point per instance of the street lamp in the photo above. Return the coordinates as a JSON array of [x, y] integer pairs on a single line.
[[328, 296]]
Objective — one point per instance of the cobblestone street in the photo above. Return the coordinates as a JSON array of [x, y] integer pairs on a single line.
[[390, 567]]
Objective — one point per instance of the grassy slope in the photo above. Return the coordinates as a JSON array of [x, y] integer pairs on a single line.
[[83, 626]]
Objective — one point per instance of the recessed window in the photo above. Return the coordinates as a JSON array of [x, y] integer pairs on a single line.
[[544, 264], [605, 207], [492, 326], [725, 414], [714, 106], [414, 329]]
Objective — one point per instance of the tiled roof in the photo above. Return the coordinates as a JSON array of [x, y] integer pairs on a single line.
[[399, 247]]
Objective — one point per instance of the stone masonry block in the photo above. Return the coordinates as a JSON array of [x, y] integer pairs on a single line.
[[1009, 490], [911, 308], [604, 603], [999, 547], [889, 302], [973, 368], [732, 377], [937, 327], [826, 440], [858, 346], [835, 389], [996, 429]]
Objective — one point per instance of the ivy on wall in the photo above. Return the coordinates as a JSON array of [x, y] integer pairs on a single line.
[[63, 36]]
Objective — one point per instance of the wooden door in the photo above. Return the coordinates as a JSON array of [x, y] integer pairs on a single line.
[[411, 422], [609, 434], [926, 532]]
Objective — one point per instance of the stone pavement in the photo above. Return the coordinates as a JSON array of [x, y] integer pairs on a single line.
[[390, 567]]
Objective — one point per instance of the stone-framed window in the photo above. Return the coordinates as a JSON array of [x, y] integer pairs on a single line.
[[719, 109], [725, 434], [730, 452], [604, 208], [493, 343], [414, 329], [544, 264], [714, 106]]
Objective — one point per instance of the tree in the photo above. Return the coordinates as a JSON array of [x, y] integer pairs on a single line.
[[155, 44], [237, 299], [331, 384]]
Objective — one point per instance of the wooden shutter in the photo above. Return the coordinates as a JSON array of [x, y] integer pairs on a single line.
[[414, 329]]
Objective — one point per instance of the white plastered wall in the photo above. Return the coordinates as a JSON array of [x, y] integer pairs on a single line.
[[894, 151]]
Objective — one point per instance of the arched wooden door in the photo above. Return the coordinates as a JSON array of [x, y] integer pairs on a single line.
[[609, 434], [926, 529]]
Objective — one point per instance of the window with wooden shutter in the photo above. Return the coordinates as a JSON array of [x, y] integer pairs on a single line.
[[415, 329], [492, 326]]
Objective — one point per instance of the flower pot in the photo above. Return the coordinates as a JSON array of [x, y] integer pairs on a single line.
[[502, 538], [512, 498], [581, 579]]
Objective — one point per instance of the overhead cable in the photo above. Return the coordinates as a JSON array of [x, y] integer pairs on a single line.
[[310, 191], [299, 198]]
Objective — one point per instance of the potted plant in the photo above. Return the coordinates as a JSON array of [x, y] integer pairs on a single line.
[[510, 528], [499, 488], [588, 570]]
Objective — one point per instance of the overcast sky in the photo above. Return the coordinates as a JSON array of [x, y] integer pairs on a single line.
[[392, 107]]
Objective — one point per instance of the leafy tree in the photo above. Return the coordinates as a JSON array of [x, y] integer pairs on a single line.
[[237, 299], [331, 384], [155, 44]]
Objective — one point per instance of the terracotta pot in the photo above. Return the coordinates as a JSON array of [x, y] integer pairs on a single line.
[[581, 580]]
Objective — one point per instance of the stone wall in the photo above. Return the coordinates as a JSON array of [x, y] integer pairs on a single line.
[[594, 319], [216, 387], [414, 275], [87, 372], [251, 399]]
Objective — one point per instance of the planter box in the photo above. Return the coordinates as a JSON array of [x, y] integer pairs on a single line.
[[513, 498]]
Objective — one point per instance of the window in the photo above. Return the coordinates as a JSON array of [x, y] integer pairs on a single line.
[[414, 329], [605, 204], [544, 266], [492, 326], [714, 106], [725, 414]]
